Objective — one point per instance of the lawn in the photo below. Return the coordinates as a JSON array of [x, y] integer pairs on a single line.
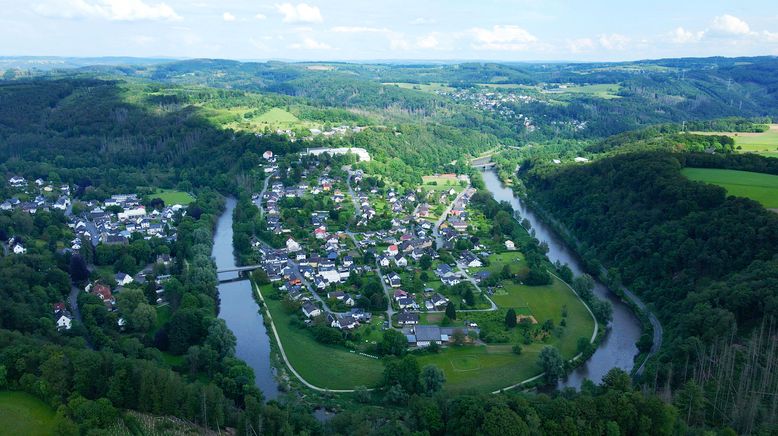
[[484, 368], [321, 365], [171, 196], [764, 143], [546, 302], [23, 414], [440, 183], [601, 90], [425, 87], [756, 186]]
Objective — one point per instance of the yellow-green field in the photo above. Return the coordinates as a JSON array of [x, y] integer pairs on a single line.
[[23, 414], [426, 87], [764, 143], [602, 90], [756, 186]]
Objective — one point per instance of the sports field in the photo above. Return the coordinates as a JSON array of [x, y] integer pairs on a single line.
[[756, 186], [764, 143], [23, 414]]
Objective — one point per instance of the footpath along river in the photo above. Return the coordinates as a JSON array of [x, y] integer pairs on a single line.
[[618, 347]]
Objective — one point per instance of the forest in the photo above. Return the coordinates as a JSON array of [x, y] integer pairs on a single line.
[[707, 263]]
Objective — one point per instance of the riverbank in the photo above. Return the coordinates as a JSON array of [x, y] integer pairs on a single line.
[[617, 348]]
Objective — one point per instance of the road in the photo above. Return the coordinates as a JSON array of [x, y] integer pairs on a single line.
[[470, 279], [262, 196], [658, 331], [436, 227]]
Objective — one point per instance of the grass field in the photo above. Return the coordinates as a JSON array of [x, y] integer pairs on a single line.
[[426, 87], [756, 186], [764, 143], [23, 414], [602, 90], [322, 366], [171, 196], [439, 183]]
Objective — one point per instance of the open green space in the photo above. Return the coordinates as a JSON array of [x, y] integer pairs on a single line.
[[600, 90], [171, 196], [756, 186], [441, 183], [425, 87], [23, 414], [764, 143], [484, 368], [547, 302], [321, 365]]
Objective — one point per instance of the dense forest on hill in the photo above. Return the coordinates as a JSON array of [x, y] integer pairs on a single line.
[[707, 262]]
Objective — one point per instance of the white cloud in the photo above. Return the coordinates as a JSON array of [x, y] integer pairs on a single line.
[[730, 25], [502, 37], [398, 42], [770, 36], [359, 29], [613, 41], [310, 44], [260, 16], [422, 21], [228, 16], [300, 13], [580, 45], [683, 36], [428, 42], [115, 10]]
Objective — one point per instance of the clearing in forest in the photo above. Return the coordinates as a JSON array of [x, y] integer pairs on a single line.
[[756, 186]]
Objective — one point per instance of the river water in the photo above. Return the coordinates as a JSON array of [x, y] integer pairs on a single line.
[[618, 347], [240, 311]]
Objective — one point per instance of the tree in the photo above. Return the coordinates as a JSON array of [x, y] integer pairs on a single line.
[[221, 339], [394, 342], [451, 311], [431, 379], [583, 286], [553, 366], [404, 372], [502, 421], [516, 349], [617, 379], [510, 318], [425, 262], [78, 269], [583, 345], [458, 337]]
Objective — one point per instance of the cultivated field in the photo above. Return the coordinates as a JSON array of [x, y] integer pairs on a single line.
[[764, 143], [756, 186], [426, 87], [23, 414]]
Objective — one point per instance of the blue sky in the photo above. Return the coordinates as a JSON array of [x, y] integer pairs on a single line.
[[519, 30]]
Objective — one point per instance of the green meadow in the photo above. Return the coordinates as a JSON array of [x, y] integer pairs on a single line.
[[756, 186], [23, 414]]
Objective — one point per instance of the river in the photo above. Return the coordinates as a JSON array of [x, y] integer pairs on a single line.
[[618, 347], [240, 311]]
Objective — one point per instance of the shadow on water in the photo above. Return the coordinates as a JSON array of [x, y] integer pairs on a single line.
[[618, 347], [240, 311]]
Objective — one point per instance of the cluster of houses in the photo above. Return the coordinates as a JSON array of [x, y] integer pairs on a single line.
[[497, 102], [41, 195], [101, 224]]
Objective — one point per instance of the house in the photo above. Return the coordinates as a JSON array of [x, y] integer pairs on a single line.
[[19, 249], [423, 211], [458, 225], [310, 310], [451, 280], [438, 301], [470, 260], [480, 276], [400, 294], [392, 250], [267, 155], [17, 181], [406, 303], [348, 261], [123, 279], [424, 335], [320, 233], [64, 321], [103, 292], [444, 270], [509, 245], [400, 261], [292, 245], [394, 280], [408, 318], [336, 295], [384, 261], [345, 322]]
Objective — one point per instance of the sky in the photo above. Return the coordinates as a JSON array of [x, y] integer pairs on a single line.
[[322, 30]]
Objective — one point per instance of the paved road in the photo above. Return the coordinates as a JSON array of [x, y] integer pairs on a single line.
[[436, 227], [262, 196], [472, 280]]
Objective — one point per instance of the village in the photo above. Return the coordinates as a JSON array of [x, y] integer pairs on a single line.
[[107, 229], [385, 258]]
